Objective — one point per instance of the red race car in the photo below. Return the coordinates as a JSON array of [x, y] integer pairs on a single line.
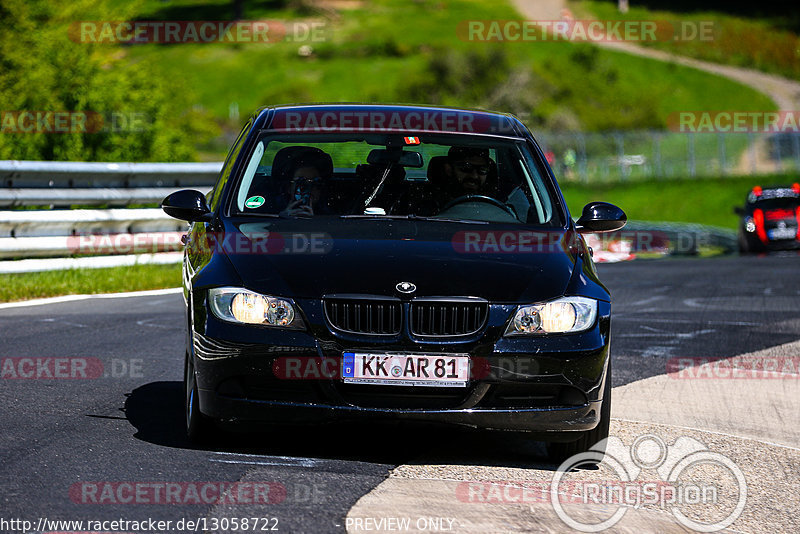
[[770, 219]]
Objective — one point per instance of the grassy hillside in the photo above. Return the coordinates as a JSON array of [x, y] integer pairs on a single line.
[[411, 52], [700, 200], [768, 43]]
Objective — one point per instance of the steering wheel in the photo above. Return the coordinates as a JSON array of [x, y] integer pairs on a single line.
[[479, 198]]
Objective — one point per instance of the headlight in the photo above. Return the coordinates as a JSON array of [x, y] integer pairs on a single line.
[[238, 305], [567, 314]]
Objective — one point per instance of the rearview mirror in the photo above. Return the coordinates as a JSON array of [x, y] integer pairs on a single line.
[[403, 158], [186, 205], [600, 217]]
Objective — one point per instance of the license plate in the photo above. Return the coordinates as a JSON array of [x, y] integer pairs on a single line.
[[782, 233], [451, 370]]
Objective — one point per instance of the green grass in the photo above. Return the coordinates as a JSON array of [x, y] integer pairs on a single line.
[[24, 286], [382, 50], [700, 200], [759, 43]]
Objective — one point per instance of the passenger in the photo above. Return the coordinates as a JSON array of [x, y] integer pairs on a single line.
[[305, 188]]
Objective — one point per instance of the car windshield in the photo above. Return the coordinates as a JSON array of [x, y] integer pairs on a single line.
[[777, 203], [438, 177]]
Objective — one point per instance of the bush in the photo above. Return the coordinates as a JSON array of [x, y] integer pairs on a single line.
[[42, 70]]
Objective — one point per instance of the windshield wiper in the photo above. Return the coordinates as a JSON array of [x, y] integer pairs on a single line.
[[447, 219], [375, 216], [411, 218]]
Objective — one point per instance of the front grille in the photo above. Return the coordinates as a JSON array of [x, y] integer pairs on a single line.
[[448, 317], [364, 316]]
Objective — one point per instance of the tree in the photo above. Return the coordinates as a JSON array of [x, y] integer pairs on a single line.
[[43, 70]]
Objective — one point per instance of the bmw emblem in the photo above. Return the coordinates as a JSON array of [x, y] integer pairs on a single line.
[[406, 287]]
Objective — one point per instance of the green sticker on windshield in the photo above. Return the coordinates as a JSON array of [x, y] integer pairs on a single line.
[[254, 202]]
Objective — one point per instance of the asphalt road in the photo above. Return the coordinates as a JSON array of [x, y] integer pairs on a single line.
[[65, 441]]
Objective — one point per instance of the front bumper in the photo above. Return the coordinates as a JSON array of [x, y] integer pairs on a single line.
[[550, 385]]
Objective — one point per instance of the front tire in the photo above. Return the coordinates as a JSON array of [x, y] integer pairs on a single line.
[[198, 427], [558, 451]]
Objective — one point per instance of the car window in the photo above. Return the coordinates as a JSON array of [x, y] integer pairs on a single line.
[[434, 176], [777, 203], [214, 195]]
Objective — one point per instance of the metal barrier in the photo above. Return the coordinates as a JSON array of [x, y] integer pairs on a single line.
[[48, 235]]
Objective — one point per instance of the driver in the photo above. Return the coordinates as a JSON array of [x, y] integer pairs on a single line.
[[467, 169]]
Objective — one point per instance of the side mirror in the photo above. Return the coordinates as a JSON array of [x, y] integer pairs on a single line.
[[187, 205], [599, 217], [738, 210]]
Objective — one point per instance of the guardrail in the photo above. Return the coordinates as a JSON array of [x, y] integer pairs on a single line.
[[46, 234], [56, 237]]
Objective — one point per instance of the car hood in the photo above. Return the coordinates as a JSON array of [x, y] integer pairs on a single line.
[[315, 257]]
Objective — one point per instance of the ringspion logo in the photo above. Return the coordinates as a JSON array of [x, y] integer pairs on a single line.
[[689, 474]]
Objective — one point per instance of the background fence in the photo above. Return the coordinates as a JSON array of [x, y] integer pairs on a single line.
[[645, 155]]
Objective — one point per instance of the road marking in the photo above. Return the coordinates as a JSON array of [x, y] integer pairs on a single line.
[[656, 351], [261, 459], [71, 298], [308, 463], [692, 303], [647, 300], [679, 335], [644, 327], [625, 317], [53, 320], [149, 322]]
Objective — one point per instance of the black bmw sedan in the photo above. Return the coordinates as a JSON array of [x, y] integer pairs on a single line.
[[394, 262]]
